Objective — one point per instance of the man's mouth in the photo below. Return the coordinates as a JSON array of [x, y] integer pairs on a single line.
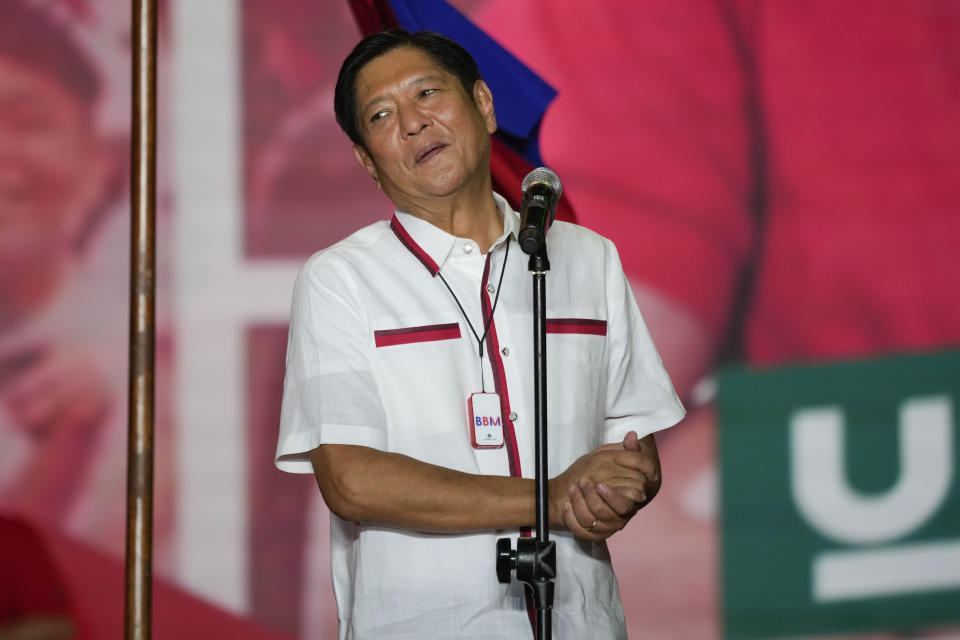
[[429, 151], [15, 192], [13, 203]]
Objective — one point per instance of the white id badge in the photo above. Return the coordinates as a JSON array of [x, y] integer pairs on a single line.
[[486, 421]]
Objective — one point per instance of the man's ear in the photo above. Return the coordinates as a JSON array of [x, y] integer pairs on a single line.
[[363, 157], [484, 101]]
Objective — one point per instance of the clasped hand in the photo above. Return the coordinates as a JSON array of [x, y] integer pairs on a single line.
[[598, 494]]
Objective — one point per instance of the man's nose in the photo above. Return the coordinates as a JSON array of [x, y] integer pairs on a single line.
[[413, 120]]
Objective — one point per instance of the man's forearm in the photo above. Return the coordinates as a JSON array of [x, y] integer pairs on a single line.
[[377, 487]]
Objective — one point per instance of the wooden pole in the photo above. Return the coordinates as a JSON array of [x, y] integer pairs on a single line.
[[142, 294]]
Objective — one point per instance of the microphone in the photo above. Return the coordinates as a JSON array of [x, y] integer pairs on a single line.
[[540, 192]]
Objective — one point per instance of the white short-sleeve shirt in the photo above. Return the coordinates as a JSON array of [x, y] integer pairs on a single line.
[[380, 355]]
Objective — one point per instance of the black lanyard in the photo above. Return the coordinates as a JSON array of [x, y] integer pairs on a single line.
[[489, 320]]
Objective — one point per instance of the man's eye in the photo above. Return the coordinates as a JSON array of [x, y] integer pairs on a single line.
[[427, 92], [379, 115]]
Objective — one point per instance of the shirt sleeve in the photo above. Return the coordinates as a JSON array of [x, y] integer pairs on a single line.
[[640, 396], [33, 584], [330, 395]]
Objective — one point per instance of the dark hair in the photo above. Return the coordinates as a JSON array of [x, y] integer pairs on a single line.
[[445, 52], [34, 36]]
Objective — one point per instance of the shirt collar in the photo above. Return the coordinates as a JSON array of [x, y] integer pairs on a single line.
[[432, 246]]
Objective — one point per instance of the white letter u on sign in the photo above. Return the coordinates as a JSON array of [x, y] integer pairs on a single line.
[[831, 506]]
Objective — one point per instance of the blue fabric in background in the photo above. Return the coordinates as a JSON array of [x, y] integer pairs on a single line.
[[520, 96]]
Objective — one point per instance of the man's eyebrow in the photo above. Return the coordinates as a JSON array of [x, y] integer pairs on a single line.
[[424, 79], [371, 102]]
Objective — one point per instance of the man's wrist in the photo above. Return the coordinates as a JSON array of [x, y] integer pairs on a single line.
[[557, 493]]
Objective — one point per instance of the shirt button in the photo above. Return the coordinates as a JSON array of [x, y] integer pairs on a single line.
[[467, 248], [505, 351], [513, 416], [491, 288]]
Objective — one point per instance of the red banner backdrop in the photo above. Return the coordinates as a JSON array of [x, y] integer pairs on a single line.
[[782, 187]]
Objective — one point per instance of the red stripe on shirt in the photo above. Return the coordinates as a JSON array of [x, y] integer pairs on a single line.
[[499, 375], [577, 325], [425, 333], [413, 247]]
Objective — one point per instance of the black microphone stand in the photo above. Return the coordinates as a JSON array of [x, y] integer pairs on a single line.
[[535, 559]]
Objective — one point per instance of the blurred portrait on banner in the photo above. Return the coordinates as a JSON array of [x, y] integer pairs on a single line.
[[62, 272], [64, 256]]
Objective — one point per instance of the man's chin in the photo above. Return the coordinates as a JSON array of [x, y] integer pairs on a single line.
[[451, 184]]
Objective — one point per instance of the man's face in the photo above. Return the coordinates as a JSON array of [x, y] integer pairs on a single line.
[[51, 168], [425, 137]]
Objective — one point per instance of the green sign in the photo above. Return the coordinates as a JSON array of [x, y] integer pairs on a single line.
[[840, 496]]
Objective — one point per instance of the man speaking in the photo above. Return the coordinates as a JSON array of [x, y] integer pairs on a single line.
[[409, 390]]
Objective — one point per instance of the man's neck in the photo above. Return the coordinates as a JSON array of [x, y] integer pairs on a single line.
[[472, 215]]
